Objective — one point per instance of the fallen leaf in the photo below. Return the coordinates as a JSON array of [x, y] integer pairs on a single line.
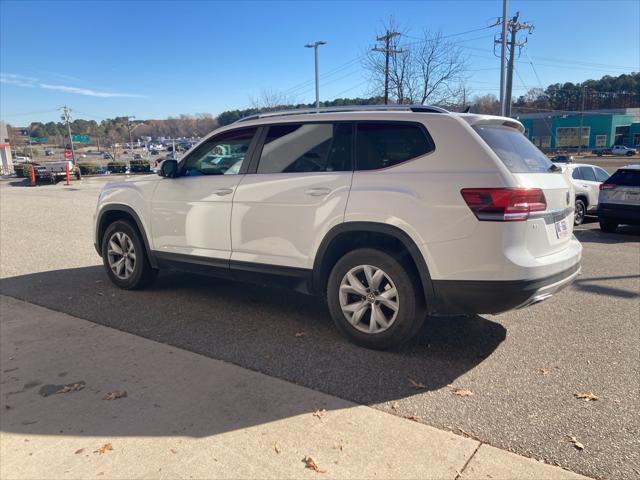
[[79, 451], [575, 442], [416, 385], [74, 387], [461, 392], [415, 418], [104, 449], [311, 463], [173, 451], [395, 405], [544, 371], [116, 394], [276, 448], [587, 397], [338, 446], [319, 413], [300, 334]]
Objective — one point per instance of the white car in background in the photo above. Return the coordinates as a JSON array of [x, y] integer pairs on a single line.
[[586, 180]]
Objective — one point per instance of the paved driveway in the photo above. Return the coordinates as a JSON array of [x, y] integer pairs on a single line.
[[523, 367]]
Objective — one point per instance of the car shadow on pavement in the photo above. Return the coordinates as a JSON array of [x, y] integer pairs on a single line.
[[282, 334], [624, 234]]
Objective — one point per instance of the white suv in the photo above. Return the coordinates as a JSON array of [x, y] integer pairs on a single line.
[[392, 213]]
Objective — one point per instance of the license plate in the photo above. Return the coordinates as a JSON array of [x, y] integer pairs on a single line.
[[562, 230]]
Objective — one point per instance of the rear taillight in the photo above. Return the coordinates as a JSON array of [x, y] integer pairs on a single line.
[[607, 186], [504, 204]]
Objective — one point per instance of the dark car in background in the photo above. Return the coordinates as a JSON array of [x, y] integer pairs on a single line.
[[619, 201]]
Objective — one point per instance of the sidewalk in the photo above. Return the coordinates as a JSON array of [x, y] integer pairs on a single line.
[[189, 416]]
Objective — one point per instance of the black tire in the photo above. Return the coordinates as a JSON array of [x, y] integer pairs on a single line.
[[580, 212], [608, 225], [630, 154], [411, 310], [78, 174], [143, 274], [599, 154]]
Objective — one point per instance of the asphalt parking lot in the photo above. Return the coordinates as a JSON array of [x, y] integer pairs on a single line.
[[523, 367]]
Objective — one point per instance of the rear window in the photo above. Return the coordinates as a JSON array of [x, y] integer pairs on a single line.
[[626, 178], [514, 149]]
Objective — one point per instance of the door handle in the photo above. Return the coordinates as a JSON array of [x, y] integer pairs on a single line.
[[318, 191], [223, 191], [586, 186]]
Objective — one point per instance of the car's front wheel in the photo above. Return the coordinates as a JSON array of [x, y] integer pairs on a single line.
[[125, 258], [580, 212], [374, 299]]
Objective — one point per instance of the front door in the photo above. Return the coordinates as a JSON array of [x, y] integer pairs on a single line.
[[191, 214]]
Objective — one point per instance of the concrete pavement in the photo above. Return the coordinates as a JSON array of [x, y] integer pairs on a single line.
[[188, 416]]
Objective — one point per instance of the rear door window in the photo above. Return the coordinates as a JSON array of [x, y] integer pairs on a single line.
[[586, 173], [577, 174], [515, 150], [626, 178], [385, 144], [307, 147]]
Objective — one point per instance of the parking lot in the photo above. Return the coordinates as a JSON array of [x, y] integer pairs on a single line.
[[524, 367]]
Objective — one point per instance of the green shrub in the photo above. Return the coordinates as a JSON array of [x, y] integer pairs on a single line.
[[117, 167], [140, 166], [87, 168]]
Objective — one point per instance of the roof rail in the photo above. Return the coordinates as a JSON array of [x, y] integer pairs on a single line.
[[347, 108]]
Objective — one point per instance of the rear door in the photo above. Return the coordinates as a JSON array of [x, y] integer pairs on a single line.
[[623, 188], [586, 178], [532, 169], [294, 194]]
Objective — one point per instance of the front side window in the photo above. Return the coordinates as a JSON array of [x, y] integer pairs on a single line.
[[382, 145], [307, 147], [221, 155]]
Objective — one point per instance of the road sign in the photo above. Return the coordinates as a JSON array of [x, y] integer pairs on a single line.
[[80, 138], [68, 154]]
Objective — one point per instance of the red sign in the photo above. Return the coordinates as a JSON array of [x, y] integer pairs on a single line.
[[68, 154]]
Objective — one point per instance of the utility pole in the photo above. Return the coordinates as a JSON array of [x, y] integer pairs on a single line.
[[514, 27], [387, 50], [65, 117], [129, 129], [315, 46], [503, 54], [581, 123]]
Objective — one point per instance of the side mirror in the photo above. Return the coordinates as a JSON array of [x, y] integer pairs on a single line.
[[168, 168]]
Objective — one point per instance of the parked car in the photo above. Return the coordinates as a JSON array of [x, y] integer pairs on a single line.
[[615, 150], [427, 212], [21, 159], [620, 199], [107, 156], [48, 153], [586, 180], [137, 156], [562, 159]]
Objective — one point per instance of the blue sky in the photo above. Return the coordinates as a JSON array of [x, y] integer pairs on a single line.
[[153, 59]]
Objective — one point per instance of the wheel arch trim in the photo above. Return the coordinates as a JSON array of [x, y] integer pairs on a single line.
[[118, 207], [376, 227]]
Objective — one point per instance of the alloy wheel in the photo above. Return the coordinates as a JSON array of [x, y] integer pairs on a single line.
[[369, 299], [121, 255]]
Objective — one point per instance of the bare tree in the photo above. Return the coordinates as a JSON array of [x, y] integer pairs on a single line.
[[429, 70], [270, 99]]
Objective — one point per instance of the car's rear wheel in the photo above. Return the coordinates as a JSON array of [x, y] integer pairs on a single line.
[[374, 299], [580, 212], [125, 258], [630, 154], [607, 225]]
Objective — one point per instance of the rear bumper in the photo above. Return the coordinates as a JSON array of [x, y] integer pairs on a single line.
[[629, 214], [475, 297]]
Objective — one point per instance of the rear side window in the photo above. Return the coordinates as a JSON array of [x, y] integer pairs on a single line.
[[601, 175], [307, 147], [514, 149], [626, 178], [382, 145], [586, 173]]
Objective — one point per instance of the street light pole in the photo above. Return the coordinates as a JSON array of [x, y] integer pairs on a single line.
[[315, 46]]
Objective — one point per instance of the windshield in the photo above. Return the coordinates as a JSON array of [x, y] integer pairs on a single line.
[[514, 149]]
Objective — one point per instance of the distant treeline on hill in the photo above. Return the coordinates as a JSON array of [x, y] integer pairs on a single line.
[[622, 91]]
